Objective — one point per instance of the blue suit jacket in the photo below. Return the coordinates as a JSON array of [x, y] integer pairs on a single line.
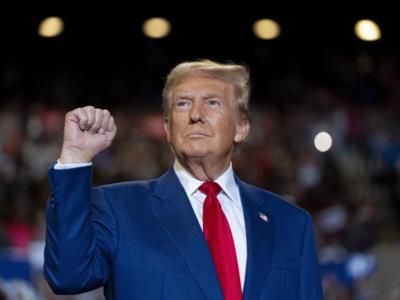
[[141, 240]]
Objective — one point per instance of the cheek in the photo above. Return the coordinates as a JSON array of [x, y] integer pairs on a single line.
[[226, 129], [228, 124], [174, 131]]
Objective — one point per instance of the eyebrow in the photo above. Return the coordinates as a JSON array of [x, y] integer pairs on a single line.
[[190, 95]]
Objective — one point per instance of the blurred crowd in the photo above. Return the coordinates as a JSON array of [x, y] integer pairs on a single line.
[[352, 190]]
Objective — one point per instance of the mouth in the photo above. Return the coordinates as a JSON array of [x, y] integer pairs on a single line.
[[196, 135]]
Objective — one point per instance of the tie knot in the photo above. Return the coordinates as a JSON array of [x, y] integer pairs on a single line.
[[210, 188]]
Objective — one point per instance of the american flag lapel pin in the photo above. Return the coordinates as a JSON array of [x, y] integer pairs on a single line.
[[263, 216]]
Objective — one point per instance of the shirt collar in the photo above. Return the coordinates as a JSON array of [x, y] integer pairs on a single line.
[[190, 184]]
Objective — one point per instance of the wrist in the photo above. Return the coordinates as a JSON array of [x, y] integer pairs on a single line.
[[69, 156]]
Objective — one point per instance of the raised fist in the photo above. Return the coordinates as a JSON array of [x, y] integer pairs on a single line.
[[87, 132]]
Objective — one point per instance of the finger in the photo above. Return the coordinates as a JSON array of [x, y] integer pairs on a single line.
[[104, 123], [98, 119], [111, 127], [78, 115], [91, 116]]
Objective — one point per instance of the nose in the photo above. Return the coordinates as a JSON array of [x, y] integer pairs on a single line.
[[196, 113]]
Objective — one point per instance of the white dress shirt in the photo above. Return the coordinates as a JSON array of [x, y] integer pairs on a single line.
[[231, 205], [61, 166], [229, 199]]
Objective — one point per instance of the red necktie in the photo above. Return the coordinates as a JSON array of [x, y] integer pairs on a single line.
[[220, 242]]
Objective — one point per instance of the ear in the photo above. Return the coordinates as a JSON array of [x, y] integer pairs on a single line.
[[167, 129], [242, 130]]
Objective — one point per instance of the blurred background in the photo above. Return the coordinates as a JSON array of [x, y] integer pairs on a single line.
[[325, 122]]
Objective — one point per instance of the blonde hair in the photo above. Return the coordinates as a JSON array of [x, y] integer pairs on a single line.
[[237, 75]]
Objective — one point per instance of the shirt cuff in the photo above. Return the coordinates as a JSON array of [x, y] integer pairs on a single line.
[[61, 166]]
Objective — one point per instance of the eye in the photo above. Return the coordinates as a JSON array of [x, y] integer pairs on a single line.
[[214, 102], [183, 103]]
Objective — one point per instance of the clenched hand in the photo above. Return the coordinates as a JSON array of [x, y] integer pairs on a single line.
[[87, 132]]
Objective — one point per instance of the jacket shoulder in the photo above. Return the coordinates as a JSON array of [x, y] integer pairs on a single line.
[[278, 204], [127, 190]]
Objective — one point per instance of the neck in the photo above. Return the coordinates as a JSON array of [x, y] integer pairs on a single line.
[[204, 170]]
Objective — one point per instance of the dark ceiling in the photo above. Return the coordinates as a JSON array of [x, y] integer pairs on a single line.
[[111, 42]]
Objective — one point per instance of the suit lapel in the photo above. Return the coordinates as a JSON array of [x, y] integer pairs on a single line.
[[260, 240], [173, 210]]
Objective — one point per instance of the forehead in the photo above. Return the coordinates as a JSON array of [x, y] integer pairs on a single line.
[[203, 86]]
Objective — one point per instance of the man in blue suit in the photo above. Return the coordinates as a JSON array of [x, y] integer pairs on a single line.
[[159, 239]]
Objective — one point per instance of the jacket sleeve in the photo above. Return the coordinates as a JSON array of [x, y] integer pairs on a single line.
[[311, 287], [80, 235]]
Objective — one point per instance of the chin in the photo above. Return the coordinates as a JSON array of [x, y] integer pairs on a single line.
[[194, 153]]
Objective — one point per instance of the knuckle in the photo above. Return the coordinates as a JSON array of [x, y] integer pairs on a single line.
[[70, 113], [96, 126], [89, 109]]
